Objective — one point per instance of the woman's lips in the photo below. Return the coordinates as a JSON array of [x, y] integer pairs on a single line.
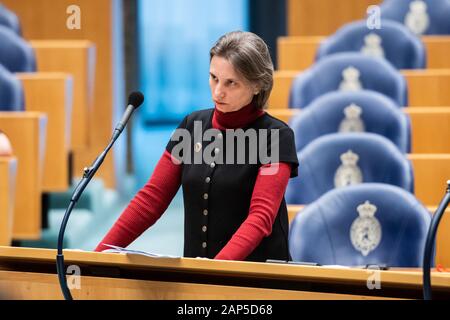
[[220, 103]]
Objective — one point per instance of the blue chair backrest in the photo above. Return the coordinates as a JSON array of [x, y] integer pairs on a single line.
[[437, 15], [10, 20], [11, 92], [394, 42], [371, 223], [338, 160], [16, 54], [359, 111], [337, 72]]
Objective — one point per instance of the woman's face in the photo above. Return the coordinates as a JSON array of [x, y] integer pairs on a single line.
[[229, 90]]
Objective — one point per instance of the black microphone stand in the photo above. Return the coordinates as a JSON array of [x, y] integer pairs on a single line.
[[429, 245], [87, 176]]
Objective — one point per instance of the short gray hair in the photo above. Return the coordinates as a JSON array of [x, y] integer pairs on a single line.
[[250, 56]]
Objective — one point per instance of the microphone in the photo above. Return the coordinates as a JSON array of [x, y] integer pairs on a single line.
[[135, 99]]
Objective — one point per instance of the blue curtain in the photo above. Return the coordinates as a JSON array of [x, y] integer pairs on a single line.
[[175, 38]]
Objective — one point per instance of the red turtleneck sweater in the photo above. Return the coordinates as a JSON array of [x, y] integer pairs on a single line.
[[153, 199]]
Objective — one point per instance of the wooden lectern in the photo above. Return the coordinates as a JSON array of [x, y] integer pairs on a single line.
[[27, 273]]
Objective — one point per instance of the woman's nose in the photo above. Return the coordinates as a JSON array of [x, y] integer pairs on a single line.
[[218, 92]]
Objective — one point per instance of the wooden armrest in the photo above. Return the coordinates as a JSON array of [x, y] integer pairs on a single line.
[[27, 133], [8, 173], [51, 93]]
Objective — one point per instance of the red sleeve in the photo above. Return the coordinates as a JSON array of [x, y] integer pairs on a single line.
[[147, 206], [269, 190]]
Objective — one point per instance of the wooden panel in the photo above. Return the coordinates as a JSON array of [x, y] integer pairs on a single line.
[[27, 133], [282, 81], [428, 87], [8, 174], [438, 51], [75, 57], [442, 239], [323, 17], [101, 24], [298, 53], [29, 286], [51, 93], [431, 172], [430, 129], [425, 87], [283, 280]]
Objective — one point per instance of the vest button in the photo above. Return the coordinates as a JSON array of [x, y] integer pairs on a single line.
[[204, 228], [213, 165], [208, 180], [204, 244], [216, 150], [220, 135], [198, 147], [205, 196], [205, 212]]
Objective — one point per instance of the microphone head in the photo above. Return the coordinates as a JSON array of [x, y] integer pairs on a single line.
[[135, 99]]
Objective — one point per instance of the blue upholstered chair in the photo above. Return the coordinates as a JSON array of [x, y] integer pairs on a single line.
[[393, 42], [348, 71], [11, 92], [338, 160], [371, 223], [9, 19], [411, 13], [359, 111], [16, 54]]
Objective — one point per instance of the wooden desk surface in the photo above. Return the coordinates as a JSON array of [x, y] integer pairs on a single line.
[[348, 282]]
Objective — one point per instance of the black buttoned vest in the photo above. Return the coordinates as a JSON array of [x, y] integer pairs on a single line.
[[217, 195]]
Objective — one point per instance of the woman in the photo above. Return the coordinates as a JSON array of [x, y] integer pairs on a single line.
[[234, 210]]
